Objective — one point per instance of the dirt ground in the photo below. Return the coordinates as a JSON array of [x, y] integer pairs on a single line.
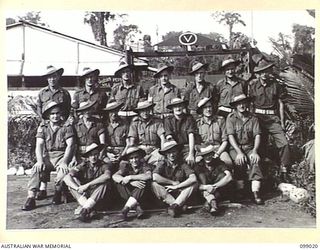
[[274, 214]]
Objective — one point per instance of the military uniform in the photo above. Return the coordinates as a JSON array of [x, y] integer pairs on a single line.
[[55, 146], [126, 191], [116, 139], [98, 96], [147, 136], [194, 96], [180, 173], [128, 95], [226, 91], [87, 136], [162, 98], [244, 133], [265, 100], [214, 133], [60, 95], [87, 172], [212, 176]]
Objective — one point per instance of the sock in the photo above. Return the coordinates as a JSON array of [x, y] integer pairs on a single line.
[[255, 186], [89, 204], [31, 194], [82, 200], [131, 202], [43, 186]]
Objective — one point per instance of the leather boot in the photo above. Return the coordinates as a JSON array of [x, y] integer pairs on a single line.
[[214, 207], [29, 205], [56, 200], [41, 195], [257, 198]]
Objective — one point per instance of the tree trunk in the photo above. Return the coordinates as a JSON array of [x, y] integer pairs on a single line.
[[103, 35]]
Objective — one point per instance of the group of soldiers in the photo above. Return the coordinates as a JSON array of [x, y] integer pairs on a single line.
[[208, 139]]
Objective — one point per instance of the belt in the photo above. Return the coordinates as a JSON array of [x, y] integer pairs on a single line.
[[265, 111], [161, 116], [222, 108], [127, 113]]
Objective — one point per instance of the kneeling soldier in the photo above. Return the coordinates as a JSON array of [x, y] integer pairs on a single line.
[[243, 130], [89, 182], [54, 151], [173, 178], [132, 180], [214, 177]]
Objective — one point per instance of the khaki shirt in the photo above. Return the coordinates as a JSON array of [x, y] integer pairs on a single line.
[[265, 97], [243, 131], [180, 173], [87, 136], [146, 133], [227, 91], [194, 96], [55, 140], [161, 98], [214, 132], [129, 96], [81, 95], [116, 136], [60, 95], [87, 172]]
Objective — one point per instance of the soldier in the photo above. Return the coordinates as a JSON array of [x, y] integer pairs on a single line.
[[54, 151], [117, 131], [267, 97], [173, 178], [181, 127], [229, 86], [88, 130], [89, 182], [54, 92], [133, 180], [200, 88], [127, 91], [214, 177], [90, 91], [212, 130], [147, 132], [161, 93], [244, 134]]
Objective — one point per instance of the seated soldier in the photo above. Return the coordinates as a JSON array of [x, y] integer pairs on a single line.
[[212, 130], [243, 130], [173, 178], [89, 182], [88, 130], [117, 131], [181, 127], [54, 151], [214, 177], [147, 132], [132, 180]]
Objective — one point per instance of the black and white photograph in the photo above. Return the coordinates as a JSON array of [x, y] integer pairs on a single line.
[[160, 119]]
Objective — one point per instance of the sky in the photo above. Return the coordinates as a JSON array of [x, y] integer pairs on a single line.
[[260, 24]]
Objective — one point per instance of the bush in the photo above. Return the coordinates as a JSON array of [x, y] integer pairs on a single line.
[[21, 140], [303, 176]]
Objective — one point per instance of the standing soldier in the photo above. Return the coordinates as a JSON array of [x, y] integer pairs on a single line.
[[244, 132], [116, 134], [181, 127], [127, 91], [133, 180], [91, 91], [267, 97], [212, 130], [147, 132], [162, 93], [88, 130], [229, 86], [214, 177], [199, 88], [89, 182], [54, 92], [54, 151], [173, 178]]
